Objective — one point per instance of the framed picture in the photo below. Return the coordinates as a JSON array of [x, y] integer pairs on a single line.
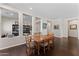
[[44, 25], [56, 27], [73, 26]]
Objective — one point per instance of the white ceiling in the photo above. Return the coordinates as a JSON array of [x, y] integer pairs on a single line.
[[8, 14], [49, 10], [11, 14]]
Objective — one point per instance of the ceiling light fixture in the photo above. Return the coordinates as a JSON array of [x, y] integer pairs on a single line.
[[30, 8]]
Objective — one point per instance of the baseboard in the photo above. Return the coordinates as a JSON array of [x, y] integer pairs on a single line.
[[61, 37], [66, 37], [73, 37], [12, 46], [57, 37]]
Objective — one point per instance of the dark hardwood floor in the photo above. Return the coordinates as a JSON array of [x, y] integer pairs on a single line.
[[62, 47]]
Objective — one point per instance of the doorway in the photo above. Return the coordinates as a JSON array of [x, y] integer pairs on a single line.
[[72, 33], [73, 28]]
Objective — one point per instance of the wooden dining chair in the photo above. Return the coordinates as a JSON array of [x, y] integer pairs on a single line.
[[51, 41], [44, 44], [30, 45], [37, 42]]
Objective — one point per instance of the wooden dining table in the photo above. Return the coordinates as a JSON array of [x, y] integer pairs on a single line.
[[40, 38]]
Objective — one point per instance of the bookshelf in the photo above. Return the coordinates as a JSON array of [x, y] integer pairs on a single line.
[[27, 29], [15, 29]]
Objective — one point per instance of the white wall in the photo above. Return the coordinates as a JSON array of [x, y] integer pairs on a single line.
[[73, 33], [18, 40], [27, 20], [36, 25], [63, 30], [43, 31], [49, 26], [65, 27], [57, 33], [10, 42], [7, 25]]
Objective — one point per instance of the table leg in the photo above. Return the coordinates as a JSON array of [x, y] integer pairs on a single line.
[[38, 49]]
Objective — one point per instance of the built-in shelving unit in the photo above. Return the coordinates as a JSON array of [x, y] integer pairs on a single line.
[[15, 29], [27, 29]]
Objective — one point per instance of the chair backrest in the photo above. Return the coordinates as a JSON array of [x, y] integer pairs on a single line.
[[29, 41], [37, 34]]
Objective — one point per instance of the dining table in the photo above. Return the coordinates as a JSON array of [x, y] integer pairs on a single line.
[[40, 38]]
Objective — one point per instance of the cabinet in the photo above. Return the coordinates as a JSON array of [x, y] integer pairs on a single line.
[[15, 29], [27, 29]]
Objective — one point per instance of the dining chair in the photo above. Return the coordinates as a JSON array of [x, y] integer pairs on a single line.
[[51, 41], [37, 42], [30, 45], [44, 45]]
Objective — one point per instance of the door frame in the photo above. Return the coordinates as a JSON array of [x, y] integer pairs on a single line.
[[69, 27]]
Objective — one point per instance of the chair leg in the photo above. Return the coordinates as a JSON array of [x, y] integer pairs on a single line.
[[28, 51], [48, 45], [33, 51], [44, 50]]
